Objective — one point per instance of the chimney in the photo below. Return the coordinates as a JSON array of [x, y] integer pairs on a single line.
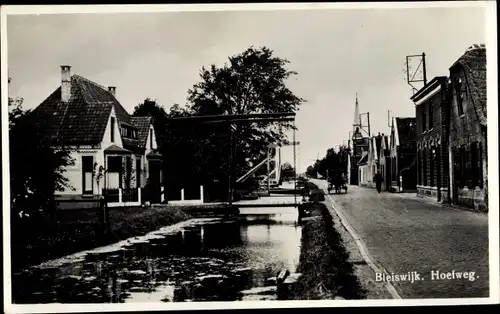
[[112, 90], [65, 83]]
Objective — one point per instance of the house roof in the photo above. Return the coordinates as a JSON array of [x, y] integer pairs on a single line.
[[83, 119], [405, 129], [428, 88], [473, 62], [114, 149], [143, 124]]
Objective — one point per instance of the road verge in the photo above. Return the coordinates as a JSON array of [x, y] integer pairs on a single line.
[[324, 262], [38, 240]]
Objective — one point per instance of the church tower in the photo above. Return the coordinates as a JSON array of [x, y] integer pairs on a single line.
[[356, 125]]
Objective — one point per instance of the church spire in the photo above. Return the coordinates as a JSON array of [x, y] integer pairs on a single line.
[[356, 125], [356, 122]]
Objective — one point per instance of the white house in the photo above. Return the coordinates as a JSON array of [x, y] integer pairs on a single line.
[[88, 119]]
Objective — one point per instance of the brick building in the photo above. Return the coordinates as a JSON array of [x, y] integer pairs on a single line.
[[468, 126], [432, 118]]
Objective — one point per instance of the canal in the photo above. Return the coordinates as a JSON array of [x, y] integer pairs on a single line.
[[197, 260]]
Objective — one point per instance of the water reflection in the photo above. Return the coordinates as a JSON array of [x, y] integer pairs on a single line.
[[222, 260]]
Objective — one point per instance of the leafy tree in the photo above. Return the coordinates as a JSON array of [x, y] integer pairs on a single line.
[[334, 160], [37, 167], [253, 81], [287, 171]]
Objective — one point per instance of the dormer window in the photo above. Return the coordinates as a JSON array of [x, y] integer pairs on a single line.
[[460, 93], [128, 132]]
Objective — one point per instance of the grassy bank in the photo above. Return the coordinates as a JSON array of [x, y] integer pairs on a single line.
[[42, 238], [324, 261]]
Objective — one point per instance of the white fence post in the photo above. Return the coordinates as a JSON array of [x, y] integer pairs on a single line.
[[139, 196], [182, 194], [202, 196], [120, 195]]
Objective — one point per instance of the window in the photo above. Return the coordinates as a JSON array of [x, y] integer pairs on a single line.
[[423, 117], [431, 166], [138, 172], [480, 165], [431, 115], [128, 173], [87, 174], [115, 166], [419, 167], [460, 94], [462, 166], [112, 129], [151, 138], [424, 167]]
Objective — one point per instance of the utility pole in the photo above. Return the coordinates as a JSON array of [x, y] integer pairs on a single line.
[[268, 170], [230, 170], [412, 77], [368, 125], [424, 69]]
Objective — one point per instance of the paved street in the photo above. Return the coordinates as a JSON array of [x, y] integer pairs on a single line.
[[404, 235]]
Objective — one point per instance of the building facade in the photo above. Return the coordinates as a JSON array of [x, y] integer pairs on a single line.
[[86, 118], [385, 167], [402, 155], [468, 126], [363, 170], [432, 122]]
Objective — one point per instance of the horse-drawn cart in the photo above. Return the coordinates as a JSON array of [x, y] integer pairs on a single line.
[[336, 181]]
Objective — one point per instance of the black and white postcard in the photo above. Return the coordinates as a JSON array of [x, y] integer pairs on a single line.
[[166, 157]]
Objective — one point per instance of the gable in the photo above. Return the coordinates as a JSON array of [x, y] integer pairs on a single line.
[[106, 139], [406, 129], [151, 138], [473, 64], [75, 122]]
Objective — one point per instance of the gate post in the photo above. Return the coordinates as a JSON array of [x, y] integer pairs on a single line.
[[103, 204]]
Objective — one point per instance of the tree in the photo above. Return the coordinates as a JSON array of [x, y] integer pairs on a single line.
[[334, 160], [287, 171], [37, 167], [254, 81]]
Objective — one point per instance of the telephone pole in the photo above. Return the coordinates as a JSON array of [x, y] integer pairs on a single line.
[[362, 127]]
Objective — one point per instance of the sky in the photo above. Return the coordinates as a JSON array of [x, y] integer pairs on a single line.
[[337, 54]]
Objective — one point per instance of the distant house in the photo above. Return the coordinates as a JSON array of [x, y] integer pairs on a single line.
[[385, 167], [468, 126], [432, 117], [88, 119], [363, 171], [373, 159], [403, 155]]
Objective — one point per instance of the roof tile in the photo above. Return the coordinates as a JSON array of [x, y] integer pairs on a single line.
[[84, 118]]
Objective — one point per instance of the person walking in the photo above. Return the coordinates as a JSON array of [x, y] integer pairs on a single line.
[[378, 181]]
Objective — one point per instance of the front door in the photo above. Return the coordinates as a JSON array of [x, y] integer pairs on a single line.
[[388, 168], [154, 182]]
